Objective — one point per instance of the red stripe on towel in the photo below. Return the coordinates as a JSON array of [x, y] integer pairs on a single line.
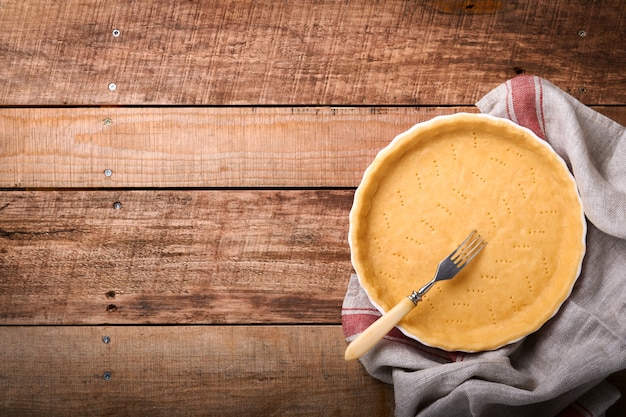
[[355, 323], [527, 101]]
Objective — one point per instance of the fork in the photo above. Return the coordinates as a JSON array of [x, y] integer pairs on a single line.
[[447, 269]]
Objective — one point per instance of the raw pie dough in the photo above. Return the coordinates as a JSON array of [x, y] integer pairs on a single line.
[[422, 196]]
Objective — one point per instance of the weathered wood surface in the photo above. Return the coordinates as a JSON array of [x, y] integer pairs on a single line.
[[187, 370], [184, 370], [256, 105], [197, 147], [172, 257], [307, 52], [202, 147]]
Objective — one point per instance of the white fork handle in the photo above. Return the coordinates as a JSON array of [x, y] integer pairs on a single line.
[[373, 334]]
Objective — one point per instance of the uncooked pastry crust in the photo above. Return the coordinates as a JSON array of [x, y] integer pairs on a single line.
[[428, 189]]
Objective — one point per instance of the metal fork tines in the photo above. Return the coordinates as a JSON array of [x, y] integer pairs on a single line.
[[452, 265]]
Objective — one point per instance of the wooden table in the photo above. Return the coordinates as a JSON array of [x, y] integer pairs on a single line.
[[176, 179]]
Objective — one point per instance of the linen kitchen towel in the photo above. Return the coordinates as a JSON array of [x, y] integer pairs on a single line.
[[560, 369]]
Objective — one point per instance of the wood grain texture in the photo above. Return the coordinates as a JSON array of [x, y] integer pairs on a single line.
[[308, 52], [198, 147], [173, 257], [234, 151], [184, 371], [203, 147]]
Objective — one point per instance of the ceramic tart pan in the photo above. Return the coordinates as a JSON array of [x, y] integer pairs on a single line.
[[428, 189]]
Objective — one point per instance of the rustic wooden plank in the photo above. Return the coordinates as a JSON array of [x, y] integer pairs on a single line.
[[189, 370], [223, 256], [202, 147], [197, 147], [184, 370], [306, 52]]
